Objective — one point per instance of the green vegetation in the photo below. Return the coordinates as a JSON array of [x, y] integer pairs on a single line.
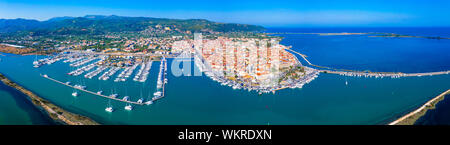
[[102, 32], [98, 25], [55, 112], [411, 120]]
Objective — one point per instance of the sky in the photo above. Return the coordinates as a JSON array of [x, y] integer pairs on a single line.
[[268, 13]]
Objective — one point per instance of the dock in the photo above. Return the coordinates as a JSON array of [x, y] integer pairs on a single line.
[[385, 74], [160, 83], [94, 93], [369, 74], [302, 55]]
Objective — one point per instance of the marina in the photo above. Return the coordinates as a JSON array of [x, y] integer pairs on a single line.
[[162, 80], [126, 73], [105, 76], [83, 69], [143, 72], [83, 88], [94, 73], [85, 63], [82, 62]]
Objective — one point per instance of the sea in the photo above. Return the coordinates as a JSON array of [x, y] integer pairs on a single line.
[[198, 100]]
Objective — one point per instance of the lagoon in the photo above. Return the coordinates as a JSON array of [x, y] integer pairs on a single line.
[[199, 100]]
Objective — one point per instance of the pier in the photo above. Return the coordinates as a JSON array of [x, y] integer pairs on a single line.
[[385, 74], [94, 93], [302, 55], [370, 74], [161, 82]]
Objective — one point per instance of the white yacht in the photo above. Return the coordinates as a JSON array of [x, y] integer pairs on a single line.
[[157, 94], [148, 102], [129, 107], [36, 62], [75, 94], [109, 109], [140, 101], [113, 95]]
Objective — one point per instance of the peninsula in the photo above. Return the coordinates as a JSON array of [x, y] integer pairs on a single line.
[[412, 117], [56, 113]]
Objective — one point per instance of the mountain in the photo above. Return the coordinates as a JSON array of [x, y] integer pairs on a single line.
[[13, 25], [59, 18], [100, 24]]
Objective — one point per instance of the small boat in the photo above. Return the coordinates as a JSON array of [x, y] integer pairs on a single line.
[[129, 107], [148, 102], [113, 95], [99, 92], [140, 101], [36, 62], [157, 94], [109, 109], [346, 83], [75, 94], [125, 98]]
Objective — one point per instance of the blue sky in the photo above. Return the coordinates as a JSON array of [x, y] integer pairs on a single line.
[[269, 13]]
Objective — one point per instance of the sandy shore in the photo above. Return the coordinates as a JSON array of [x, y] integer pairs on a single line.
[[55, 112], [412, 117], [15, 50]]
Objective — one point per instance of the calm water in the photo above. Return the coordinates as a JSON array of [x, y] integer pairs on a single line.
[[360, 52], [199, 100], [438, 116], [15, 109]]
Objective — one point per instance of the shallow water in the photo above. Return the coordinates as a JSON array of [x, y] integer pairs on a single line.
[[199, 100]]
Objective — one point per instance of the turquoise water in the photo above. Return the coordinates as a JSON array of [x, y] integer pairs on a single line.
[[15, 109], [360, 52], [199, 100]]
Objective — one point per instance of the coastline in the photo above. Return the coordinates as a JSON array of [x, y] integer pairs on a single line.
[[412, 117], [56, 113]]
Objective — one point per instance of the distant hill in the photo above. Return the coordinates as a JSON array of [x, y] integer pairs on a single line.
[[99, 24], [13, 25]]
